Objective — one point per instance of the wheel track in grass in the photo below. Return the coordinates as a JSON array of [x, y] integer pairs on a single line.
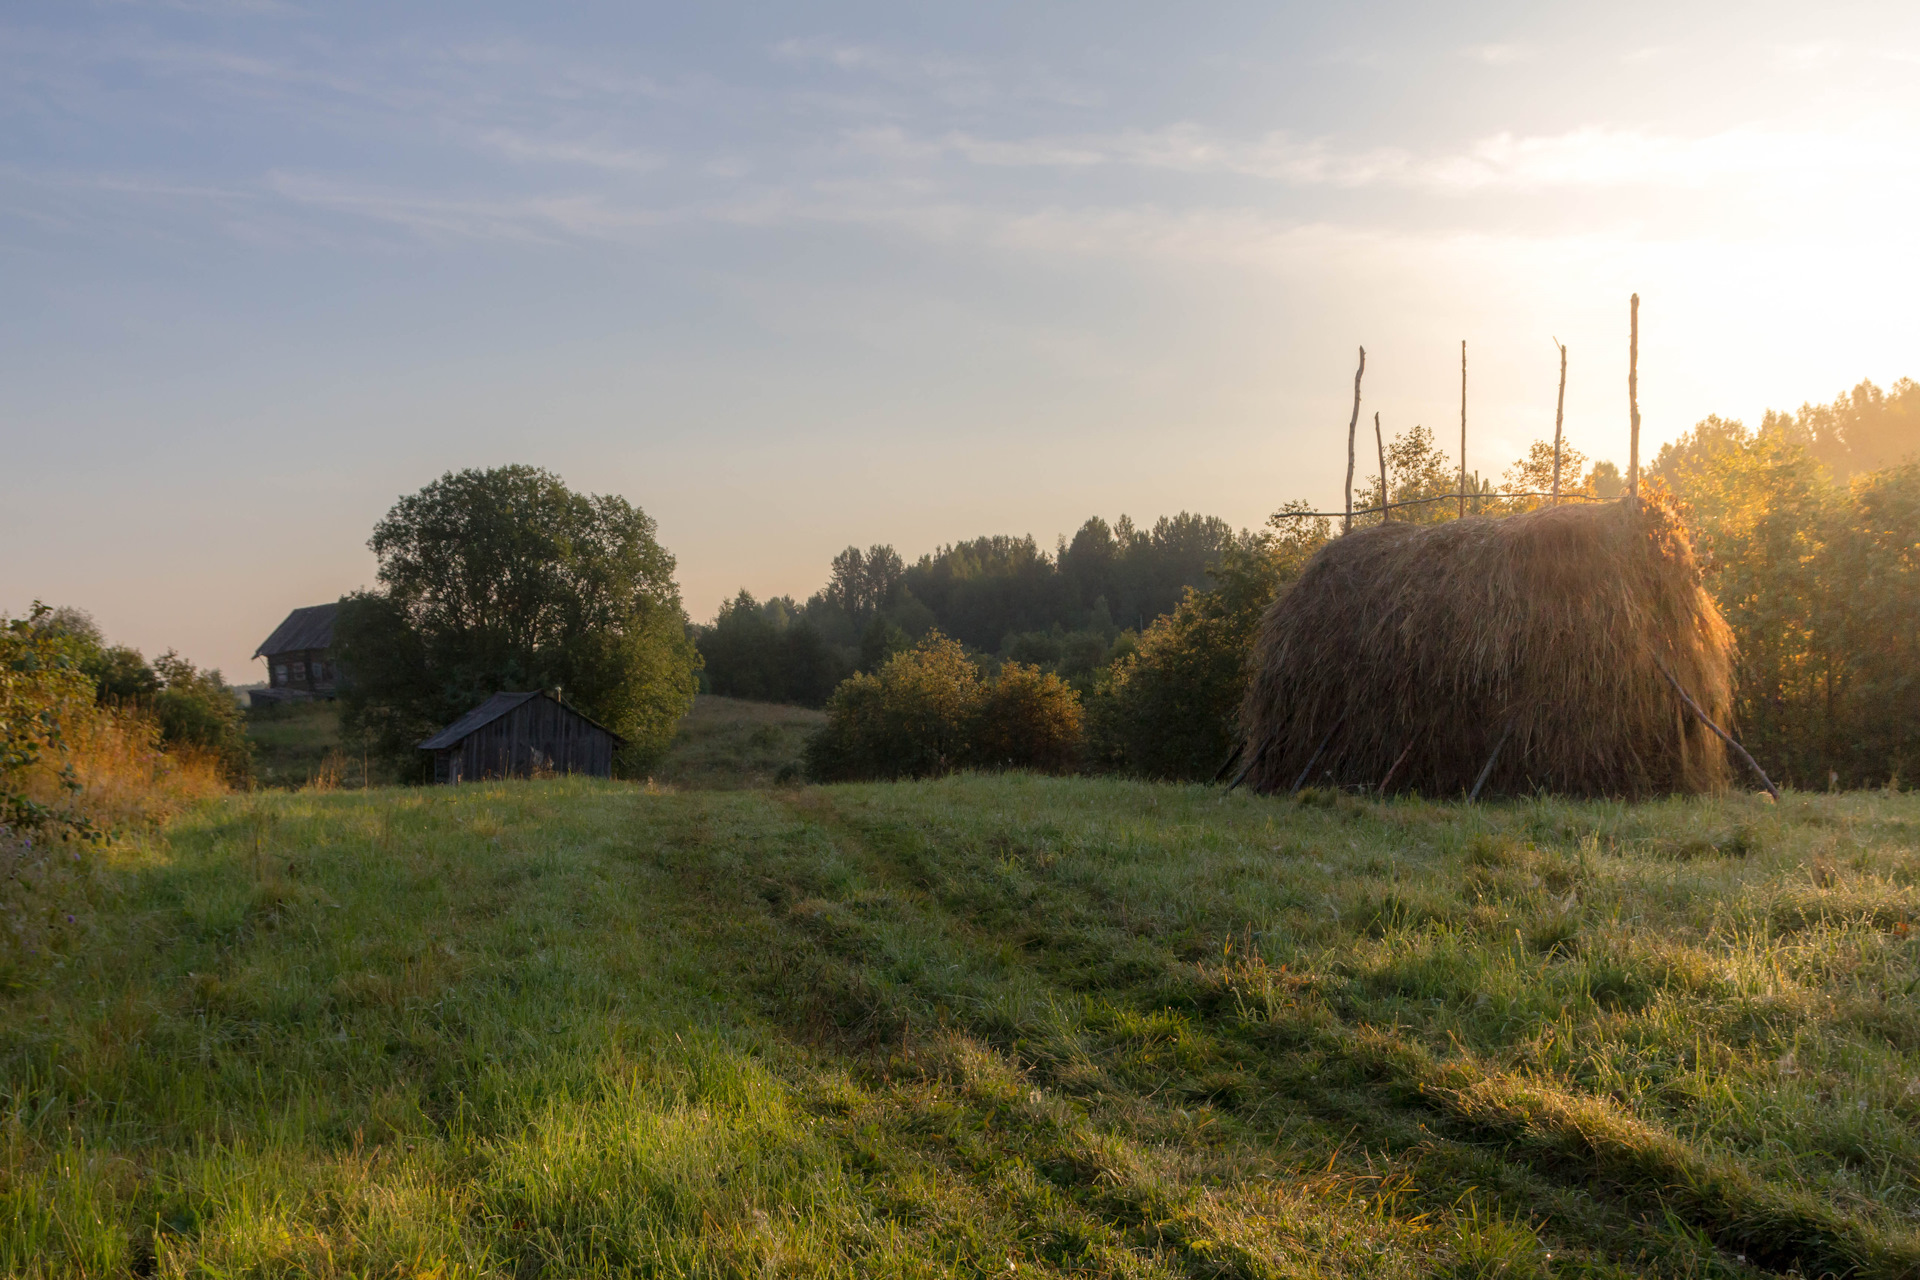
[[1562, 1152], [1542, 1198]]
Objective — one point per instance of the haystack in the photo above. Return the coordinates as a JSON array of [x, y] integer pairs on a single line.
[[1406, 654]]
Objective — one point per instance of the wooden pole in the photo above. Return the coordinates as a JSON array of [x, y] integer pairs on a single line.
[[1380, 443], [1633, 401], [1353, 425], [1314, 759], [1722, 734], [1488, 771], [1559, 417], [1463, 428]]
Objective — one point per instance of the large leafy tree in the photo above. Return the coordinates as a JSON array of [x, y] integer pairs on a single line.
[[506, 579]]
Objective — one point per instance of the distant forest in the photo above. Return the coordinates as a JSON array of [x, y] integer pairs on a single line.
[[1072, 610]]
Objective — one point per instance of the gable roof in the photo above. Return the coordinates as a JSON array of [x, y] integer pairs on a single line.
[[308, 628], [492, 709]]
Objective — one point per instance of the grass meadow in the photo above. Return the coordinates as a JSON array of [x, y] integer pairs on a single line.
[[986, 1026]]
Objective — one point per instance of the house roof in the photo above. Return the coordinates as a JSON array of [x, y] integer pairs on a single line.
[[492, 709], [308, 628]]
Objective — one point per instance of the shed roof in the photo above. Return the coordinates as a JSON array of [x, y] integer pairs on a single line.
[[492, 709], [308, 628]]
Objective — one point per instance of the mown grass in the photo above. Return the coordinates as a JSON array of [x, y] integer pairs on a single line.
[[979, 1026]]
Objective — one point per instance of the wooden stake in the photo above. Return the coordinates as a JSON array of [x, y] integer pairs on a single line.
[[1722, 734], [1633, 401], [1559, 417], [1398, 761], [1484, 773], [1380, 444], [1353, 425], [1463, 428], [1314, 759]]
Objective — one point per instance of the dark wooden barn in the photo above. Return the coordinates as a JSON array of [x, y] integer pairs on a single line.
[[299, 657], [519, 735]]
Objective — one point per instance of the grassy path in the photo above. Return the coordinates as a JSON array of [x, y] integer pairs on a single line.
[[981, 1026]]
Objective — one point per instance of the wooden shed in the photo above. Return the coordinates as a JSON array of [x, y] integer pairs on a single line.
[[520, 735]]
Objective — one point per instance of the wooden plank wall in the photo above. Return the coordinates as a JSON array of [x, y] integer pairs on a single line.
[[539, 736]]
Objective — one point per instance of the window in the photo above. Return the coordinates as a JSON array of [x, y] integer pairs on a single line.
[[279, 674]]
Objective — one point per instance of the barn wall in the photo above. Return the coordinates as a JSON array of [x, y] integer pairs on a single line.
[[538, 736]]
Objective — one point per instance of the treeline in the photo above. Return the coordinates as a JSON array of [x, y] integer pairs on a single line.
[[1808, 530], [1071, 611]]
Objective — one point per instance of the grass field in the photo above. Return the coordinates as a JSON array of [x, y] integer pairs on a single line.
[[722, 743], [983, 1026]]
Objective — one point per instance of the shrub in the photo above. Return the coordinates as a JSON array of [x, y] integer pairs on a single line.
[[1027, 719], [927, 712], [198, 713], [1170, 708], [910, 719]]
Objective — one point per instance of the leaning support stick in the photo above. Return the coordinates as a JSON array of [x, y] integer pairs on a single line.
[[1402, 759], [1314, 759], [1481, 781], [1722, 734], [1353, 425]]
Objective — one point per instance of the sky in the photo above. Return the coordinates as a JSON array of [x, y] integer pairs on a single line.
[[796, 277]]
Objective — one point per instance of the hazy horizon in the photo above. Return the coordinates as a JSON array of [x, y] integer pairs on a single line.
[[790, 281]]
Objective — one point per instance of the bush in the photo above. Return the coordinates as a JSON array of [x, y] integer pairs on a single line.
[[198, 711], [1170, 708], [927, 712]]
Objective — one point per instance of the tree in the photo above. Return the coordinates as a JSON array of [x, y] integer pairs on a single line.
[[505, 579]]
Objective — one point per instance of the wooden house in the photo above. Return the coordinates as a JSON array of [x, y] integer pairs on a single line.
[[519, 735], [299, 657]]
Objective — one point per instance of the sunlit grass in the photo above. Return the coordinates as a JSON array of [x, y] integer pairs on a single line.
[[963, 1027]]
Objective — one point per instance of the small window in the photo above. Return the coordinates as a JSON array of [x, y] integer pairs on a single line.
[[279, 673]]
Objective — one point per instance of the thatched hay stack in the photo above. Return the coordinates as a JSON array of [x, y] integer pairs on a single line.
[[1426, 645]]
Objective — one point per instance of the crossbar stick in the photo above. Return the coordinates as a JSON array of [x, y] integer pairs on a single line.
[[1722, 734], [1559, 418]]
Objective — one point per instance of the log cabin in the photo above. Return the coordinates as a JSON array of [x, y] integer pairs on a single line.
[[521, 735]]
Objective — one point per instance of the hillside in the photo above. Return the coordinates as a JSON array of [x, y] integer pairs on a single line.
[[980, 1026]]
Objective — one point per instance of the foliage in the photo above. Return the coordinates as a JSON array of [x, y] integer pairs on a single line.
[[1085, 1027], [1171, 708], [767, 653], [198, 710], [1027, 719], [505, 579], [927, 711], [1818, 582], [42, 689], [909, 719]]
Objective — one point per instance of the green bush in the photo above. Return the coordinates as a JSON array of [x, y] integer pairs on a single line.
[[928, 712], [1170, 708], [198, 710]]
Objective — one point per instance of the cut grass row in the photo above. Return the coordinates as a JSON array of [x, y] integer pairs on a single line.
[[1052, 1026]]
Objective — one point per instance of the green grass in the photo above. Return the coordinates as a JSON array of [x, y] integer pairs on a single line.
[[722, 743], [728, 742], [295, 743], [983, 1026]]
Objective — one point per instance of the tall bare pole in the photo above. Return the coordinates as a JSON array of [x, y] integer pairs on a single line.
[[1633, 401], [1463, 428], [1353, 425], [1380, 443], [1559, 418]]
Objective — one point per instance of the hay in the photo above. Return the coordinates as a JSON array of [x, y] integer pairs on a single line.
[[1427, 645]]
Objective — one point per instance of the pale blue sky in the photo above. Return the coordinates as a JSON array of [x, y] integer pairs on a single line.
[[791, 277]]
